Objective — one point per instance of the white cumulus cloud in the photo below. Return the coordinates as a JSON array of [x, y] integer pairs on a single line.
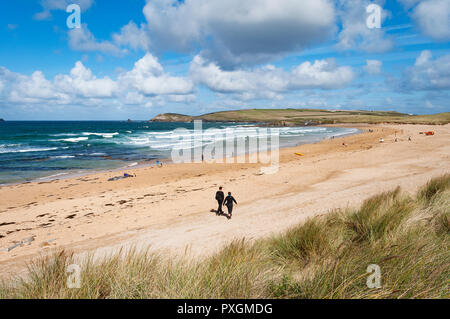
[[373, 67], [355, 34], [433, 18], [148, 78], [268, 81], [235, 32], [145, 84], [50, 5], [81, 39], [82, 82], [133, 36], [33, 89], [428, 74]]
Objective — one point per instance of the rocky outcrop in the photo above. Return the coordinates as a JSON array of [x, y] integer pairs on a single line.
[[2, 120]]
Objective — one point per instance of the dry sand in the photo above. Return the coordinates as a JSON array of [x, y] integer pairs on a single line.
[[169, 208]]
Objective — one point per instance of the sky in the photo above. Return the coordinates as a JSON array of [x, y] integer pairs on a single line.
[[135, 59]]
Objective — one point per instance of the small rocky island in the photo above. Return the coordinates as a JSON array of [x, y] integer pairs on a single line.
[[2, 120], [172, 117]]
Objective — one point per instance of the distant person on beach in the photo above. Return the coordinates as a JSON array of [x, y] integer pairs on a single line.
[[220, 197], [229, 203]]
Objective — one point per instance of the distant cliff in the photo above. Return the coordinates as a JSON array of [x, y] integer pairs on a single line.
[[172, 117]]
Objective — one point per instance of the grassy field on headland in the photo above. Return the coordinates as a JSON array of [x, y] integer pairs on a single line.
[[308, 116], [325, 257]]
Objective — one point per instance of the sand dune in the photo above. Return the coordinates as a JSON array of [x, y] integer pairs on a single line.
[[169, 208]]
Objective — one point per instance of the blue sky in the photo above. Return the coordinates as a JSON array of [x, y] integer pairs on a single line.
[[135, 59]]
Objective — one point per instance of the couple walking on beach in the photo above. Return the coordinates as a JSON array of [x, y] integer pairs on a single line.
[[227, 201]]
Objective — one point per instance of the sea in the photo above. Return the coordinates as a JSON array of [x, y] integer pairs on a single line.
[[42, 150]]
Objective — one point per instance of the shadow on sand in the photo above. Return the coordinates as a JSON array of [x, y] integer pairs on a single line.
[[219, 214]]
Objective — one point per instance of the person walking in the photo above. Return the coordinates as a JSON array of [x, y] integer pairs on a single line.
[[229, 203], [220, 197]]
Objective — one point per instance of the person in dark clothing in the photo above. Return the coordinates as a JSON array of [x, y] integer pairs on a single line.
[[229, 203], [220, 197]]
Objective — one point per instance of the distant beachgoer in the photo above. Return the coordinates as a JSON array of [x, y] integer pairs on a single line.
[[381, 140], [396, 140], [219, 197], [409, 138], [229, 203]]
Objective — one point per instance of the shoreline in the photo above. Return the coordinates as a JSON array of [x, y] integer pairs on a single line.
[[166, 161], [169, 208]]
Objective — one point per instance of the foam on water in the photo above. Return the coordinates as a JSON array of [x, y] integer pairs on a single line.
[[73, 140], [26, 150], [104, 135]]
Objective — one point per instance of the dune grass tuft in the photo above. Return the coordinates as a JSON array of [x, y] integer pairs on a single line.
[[434, 187], [379, 216], [305, 242]]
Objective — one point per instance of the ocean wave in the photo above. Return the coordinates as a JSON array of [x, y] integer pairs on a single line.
[[104, 135], [159, 133], [9, 145], [165, 140], [168, 146], [97, 154], [64, 134], [62, 156], [73, 140], [244, 125], [26, 150], [137, 141], [54, 175], [238, 131], [346, 132]]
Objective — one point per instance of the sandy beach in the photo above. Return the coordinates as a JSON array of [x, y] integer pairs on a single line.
[[169, 208]]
